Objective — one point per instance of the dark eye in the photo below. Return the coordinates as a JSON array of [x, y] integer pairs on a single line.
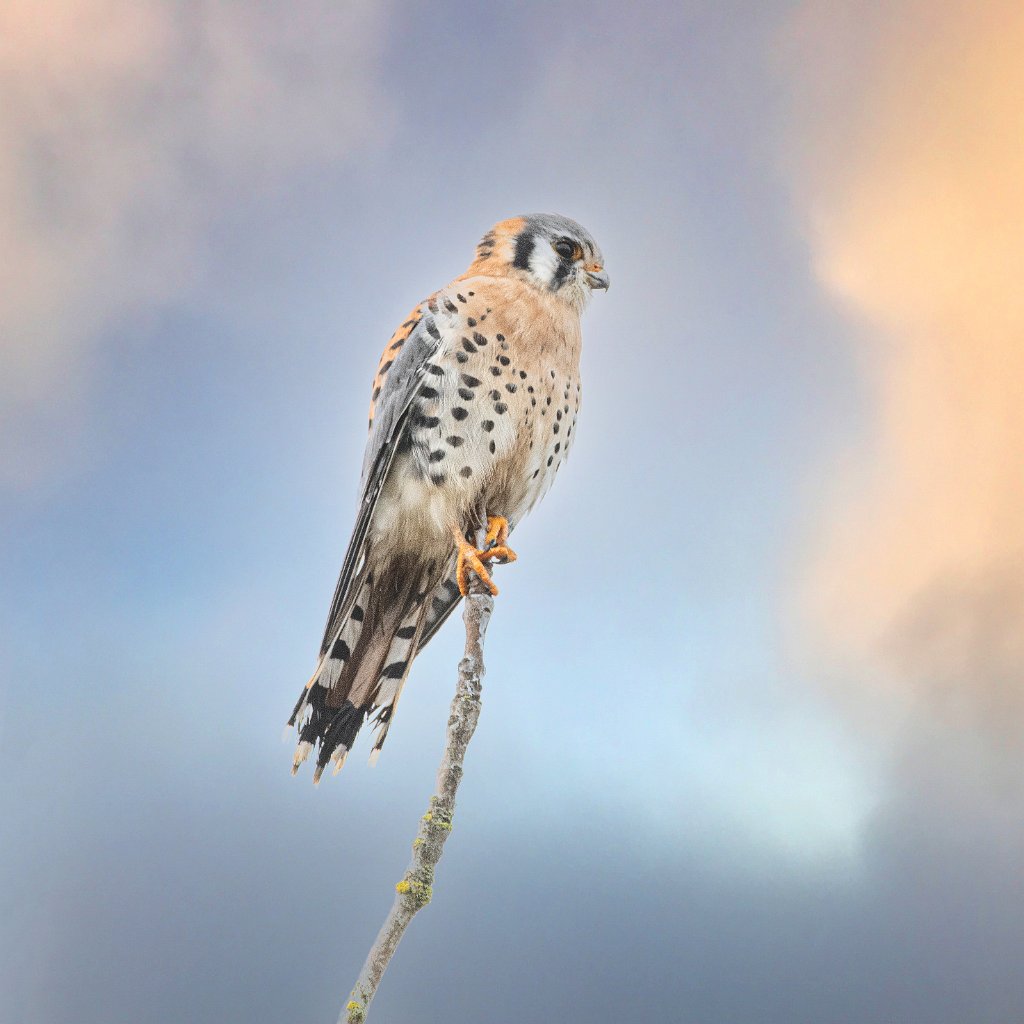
[[566, 248]]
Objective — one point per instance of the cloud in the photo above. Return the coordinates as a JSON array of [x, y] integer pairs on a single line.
[[124, 128], [908, 173]]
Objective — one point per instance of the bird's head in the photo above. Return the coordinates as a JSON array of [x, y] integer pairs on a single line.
[[549, 251]]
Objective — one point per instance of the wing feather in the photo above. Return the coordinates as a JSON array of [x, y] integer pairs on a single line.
[[391, 412]]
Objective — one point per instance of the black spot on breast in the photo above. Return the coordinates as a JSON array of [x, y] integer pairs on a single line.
[[468, 345], [504, 360], [558, 447], [554, 428], [465, 393], [529, 388], [462, 357], [455, 440], [435, 370], [437, 456], [522, 375], [432, 330], [471, 321], [466, 472], [488, 425], [510, 388], [492, 446], [496, 371], [460, 297], [500, 408], [479, 339], [426, 392], [495, 395], [500, 337], [426, 421], [551, 459], [437, 479], [459, 413], [450, 306], [558, 414], [470, 382]]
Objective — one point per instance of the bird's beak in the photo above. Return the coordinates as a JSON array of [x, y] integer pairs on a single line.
[[597, 277]]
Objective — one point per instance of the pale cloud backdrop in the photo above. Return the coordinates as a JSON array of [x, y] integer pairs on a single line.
[[775, 775], [124, 127], [917, 222]]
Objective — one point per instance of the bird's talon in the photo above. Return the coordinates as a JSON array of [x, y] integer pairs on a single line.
[[473, 560], [497, 531], [502, 554]]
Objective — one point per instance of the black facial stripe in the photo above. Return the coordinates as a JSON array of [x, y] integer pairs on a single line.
[[561, 273], [524, 249]]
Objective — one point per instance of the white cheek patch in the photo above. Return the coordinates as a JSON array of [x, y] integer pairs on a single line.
[[544, 261]]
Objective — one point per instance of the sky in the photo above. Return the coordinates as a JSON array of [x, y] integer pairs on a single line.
[[751, 746]]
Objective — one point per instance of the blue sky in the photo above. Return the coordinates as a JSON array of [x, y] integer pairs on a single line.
[[750, 747]]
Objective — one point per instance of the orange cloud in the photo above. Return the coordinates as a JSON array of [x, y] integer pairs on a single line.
[[910, 173], [123, 127]]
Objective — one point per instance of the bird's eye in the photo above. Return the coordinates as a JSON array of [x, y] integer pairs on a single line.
[[567, 249]]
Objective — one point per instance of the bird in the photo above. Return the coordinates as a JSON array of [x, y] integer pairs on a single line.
[[472, 413]]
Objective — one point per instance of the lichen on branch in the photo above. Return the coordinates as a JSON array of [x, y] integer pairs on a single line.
[[415, 890]]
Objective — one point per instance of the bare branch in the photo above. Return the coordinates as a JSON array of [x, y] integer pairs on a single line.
[[416, 887]]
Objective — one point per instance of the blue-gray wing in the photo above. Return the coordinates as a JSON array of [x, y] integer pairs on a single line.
[[397, 384]]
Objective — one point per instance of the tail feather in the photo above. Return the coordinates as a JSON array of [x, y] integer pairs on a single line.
[[404, 648], [364, 667], [313, 716]]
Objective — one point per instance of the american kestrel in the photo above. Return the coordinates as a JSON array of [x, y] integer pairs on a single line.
[[472, 414]]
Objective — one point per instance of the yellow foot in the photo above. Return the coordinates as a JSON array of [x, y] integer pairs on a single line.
[[496, 541], [473, 560]]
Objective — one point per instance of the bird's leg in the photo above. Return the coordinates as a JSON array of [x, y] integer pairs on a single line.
[[472, 559]]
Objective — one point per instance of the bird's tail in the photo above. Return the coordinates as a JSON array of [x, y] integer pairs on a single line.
[[364, 664]]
